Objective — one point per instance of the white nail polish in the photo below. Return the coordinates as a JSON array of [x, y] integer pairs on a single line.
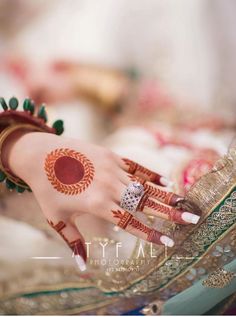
[[188, 217], [164, 181], [80, 262], [167, 241]]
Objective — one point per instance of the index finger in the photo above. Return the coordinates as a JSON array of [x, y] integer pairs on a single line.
[[136, 169]]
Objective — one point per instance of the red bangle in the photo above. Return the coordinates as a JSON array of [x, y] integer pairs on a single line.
[[11, 120]]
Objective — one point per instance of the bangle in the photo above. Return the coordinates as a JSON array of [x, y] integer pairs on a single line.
[[12, 120], [10, 116], [13, 181]]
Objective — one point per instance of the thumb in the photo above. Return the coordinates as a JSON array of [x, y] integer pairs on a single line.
[[69, 232]]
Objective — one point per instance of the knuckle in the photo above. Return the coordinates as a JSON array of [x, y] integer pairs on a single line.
[[97, 202], [109, 155], [105, 181]]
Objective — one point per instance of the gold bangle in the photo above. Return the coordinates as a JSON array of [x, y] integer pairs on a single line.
[[3, 137]]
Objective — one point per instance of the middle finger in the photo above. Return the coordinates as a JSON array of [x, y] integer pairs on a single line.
[[152, 207], [154, 191]]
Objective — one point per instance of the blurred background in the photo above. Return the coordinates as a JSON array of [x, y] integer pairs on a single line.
[[152, 80], [111, 54]]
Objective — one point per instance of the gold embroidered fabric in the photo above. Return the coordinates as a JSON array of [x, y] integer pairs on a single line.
[[219, 279]]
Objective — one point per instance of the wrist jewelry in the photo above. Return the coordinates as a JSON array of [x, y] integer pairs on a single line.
[[12, 120]]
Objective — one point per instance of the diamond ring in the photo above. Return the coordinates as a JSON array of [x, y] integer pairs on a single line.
[[131, 196]]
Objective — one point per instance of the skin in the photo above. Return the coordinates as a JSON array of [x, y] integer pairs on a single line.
[[108, 177]]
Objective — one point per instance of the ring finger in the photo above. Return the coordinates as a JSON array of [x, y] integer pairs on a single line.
[[128, 222], [154, 191]]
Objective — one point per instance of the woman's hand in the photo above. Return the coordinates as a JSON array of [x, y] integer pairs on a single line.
[[70, 177]]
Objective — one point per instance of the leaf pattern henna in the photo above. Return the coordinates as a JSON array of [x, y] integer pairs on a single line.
[[127, 219], [68, 171], [140, 226], [139, 170], [124, 218], [159, 194], [171, 213], [167, 198], [159, 208], [137, 179]]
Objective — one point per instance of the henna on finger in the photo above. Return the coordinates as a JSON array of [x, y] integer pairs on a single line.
[[150, 206], [126, 220], [143, 172], [76, 246], [155, 237], [165, 197], [68, 171]]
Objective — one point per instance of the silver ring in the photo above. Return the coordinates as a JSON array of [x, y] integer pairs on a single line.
[[131, 196]]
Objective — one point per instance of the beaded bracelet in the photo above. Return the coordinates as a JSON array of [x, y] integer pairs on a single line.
[[12, 120]]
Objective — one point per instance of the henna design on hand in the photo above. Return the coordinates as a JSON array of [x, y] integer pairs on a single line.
[[139, 170], [167, 198], [154, 236], [76, 246], [127, 219], [163, 196], [171, 213], [69, 172], [124, 218], [140, 226]]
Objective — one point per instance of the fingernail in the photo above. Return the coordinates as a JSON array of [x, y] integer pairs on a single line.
[[165, 182], [188, 217], [167, 241], [80, 262]]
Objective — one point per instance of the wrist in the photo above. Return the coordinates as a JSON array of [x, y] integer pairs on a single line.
[[19, 151], [8, 148]]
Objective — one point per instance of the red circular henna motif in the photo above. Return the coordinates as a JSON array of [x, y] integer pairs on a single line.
[[69, 172]]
